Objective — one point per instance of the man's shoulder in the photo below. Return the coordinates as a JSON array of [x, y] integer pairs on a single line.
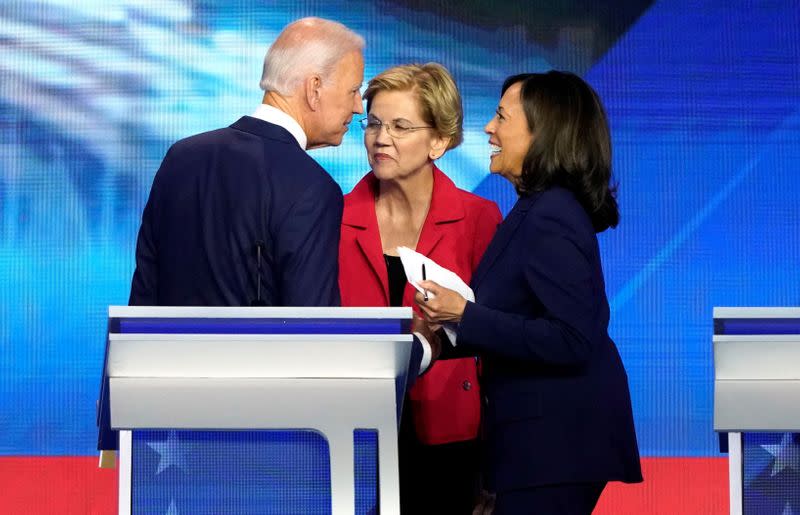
[[266, 131], [255, 143], [246, 130], [246, 140], [195, 141]]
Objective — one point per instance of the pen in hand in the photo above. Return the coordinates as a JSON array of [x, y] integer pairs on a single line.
[[424, 291]]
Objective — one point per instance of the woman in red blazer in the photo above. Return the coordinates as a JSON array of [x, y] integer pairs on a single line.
[[414, 116]]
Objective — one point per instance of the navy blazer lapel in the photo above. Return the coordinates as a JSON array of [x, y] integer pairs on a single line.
[[505, 232]]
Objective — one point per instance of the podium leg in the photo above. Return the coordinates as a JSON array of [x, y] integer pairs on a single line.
[[388, 459], [376, 399], [735, 479], [343, 499], [389, 474], [125, 477]]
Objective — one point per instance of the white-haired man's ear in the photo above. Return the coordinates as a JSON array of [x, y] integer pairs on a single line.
[[313, 91]]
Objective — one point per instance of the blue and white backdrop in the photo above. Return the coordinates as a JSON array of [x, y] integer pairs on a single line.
[[704, 103]]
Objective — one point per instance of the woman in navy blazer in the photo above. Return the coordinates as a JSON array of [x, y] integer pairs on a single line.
[[557, 414], [413, 117]]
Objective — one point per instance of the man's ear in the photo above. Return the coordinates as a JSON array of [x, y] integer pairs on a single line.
[[313, 91], [438, 147]]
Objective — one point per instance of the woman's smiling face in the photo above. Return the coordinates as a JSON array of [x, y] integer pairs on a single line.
[[509, 135]]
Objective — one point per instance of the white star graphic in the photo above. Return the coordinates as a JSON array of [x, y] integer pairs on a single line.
[[170, 453], [787, 510], [785, 455]]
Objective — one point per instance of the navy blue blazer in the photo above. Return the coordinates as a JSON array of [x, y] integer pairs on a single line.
[[557, 406], [215, 197]]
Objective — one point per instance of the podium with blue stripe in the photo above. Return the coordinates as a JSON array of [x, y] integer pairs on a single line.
[[257, 410], [757, 403]]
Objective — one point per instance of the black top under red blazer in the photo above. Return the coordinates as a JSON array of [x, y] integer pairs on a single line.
[[557, 405]]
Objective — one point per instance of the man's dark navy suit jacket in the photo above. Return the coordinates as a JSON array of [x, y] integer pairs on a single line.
[[215, 197]]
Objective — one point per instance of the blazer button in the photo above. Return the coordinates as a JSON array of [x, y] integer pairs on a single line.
[[466, 385]]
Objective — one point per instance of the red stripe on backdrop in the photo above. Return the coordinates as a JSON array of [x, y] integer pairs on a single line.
[[62, 485], [74, 485], [672, 486]]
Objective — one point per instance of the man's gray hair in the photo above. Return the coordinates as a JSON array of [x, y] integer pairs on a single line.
[[305, 47]]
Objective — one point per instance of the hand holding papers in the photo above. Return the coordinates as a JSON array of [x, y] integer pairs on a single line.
[[413, 263]]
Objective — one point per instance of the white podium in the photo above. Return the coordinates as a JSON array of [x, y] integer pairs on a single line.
[[756, 381], [331, 370]]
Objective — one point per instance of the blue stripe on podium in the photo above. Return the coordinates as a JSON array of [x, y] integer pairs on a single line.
[[260, 326], [746, 326]]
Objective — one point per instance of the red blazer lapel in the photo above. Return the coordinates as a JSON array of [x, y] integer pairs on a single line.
[[359, 214], [446, 207]]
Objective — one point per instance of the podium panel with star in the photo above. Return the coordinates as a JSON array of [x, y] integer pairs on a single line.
[[256, 410], [756, 396], [243, 472], [771, 463]]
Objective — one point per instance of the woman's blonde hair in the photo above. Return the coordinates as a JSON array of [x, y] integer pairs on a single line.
[[436, 91]]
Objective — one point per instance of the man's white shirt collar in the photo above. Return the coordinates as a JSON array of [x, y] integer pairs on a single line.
[[276, 116]]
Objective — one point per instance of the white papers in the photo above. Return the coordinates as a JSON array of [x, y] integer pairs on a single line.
[[412, 263]]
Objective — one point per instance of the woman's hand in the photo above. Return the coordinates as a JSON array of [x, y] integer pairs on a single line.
[[443, 306], [427, 330]]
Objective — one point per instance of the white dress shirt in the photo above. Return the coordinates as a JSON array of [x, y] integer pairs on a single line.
[[276, 116]]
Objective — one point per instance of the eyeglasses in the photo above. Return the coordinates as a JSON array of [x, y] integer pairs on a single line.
[[395, 128]]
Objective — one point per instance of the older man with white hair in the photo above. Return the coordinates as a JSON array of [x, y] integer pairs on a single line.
[[313, 73], [242, 215]]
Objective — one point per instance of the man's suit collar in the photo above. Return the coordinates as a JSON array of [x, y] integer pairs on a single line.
[[263, 129], [273, 115]]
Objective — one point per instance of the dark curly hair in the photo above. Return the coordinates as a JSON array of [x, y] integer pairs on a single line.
[[571, 144]]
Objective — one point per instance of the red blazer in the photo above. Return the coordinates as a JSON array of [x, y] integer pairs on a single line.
[[445, 402]]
